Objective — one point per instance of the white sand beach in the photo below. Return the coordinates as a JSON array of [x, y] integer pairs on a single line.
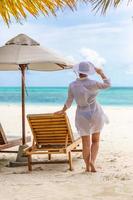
[[113, 181]]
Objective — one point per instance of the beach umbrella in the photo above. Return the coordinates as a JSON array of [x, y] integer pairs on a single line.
[[21, 53]]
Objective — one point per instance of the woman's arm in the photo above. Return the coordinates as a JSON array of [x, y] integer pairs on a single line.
[[68, 102], [106, 82]]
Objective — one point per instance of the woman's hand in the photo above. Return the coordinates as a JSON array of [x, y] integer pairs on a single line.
[[98, 70], [60, 112]]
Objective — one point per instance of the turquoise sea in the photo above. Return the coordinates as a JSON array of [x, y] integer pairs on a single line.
[[115, 96]]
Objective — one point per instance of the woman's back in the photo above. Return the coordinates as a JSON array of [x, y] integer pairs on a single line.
[[83, 91]]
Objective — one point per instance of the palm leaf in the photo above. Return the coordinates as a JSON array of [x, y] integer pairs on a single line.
[[103, 5], [19, 9]]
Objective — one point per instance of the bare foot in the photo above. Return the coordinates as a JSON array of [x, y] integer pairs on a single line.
[[93, 169], [88, 168]]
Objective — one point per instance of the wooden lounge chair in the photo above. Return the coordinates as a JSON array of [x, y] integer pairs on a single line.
[[6, 143], [52, 134]]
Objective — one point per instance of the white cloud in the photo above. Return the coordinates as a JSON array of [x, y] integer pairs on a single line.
[[93, 56]]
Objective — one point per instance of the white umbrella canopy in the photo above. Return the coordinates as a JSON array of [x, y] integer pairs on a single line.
[[22, 52]]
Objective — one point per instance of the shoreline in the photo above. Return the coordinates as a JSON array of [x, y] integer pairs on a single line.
[[59, 105]]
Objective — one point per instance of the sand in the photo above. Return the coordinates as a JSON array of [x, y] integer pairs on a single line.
[[113, 181]]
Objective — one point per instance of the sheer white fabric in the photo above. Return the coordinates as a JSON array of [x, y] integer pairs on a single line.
[[90, 117]]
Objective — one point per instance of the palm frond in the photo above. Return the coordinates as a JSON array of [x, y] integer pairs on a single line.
[[103, 5], [19, 8]]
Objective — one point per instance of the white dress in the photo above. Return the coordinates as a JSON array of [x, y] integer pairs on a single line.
[[90, 117]]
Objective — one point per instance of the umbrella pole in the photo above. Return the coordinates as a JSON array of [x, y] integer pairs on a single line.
[[23, 67], [21, 160]]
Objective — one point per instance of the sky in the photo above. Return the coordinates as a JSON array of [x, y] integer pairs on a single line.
[[107, 41]]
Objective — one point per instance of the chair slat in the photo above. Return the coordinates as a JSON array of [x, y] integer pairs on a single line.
[[47, 120], [50, 133], [49, 125], [45, 117], [49, 129]]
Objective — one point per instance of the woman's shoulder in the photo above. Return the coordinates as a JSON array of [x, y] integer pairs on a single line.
[[72, 83], [90, 81], [86, 81]]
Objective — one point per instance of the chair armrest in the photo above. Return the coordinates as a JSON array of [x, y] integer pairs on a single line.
[[73, 145]]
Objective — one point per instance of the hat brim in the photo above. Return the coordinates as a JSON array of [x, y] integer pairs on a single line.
[[90, 72]]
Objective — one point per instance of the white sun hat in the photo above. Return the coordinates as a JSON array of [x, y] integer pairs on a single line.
[[86, 68]]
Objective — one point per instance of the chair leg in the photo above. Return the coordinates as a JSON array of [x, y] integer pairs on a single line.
[[29, 163], [49, 156], [70, 160]]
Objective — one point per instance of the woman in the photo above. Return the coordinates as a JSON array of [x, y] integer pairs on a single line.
[[90, 117]]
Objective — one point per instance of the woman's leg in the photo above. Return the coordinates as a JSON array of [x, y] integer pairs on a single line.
[[86, 151], [94, 150]]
